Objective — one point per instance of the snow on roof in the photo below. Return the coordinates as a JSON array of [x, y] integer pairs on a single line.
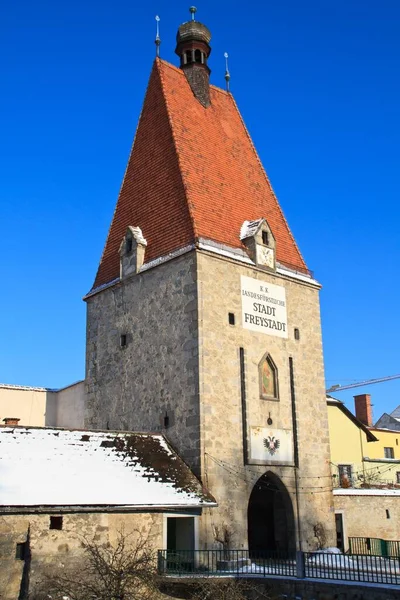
[[365, 492], [11, 386], [59, 467], [249, 228]]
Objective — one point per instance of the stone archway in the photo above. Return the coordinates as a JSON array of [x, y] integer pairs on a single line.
[[271, 524]]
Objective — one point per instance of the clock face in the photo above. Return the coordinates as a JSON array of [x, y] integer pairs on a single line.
[[265, 256]]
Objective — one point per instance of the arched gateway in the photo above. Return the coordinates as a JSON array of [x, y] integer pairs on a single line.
[[271, 525]]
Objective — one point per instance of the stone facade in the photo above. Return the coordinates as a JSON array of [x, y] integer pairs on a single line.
[[155, 376], [381, 506], [61, 549], [221, 419], [182, 361]]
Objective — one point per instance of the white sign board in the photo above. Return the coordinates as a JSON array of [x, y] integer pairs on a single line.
[[263, 307], [271, 445]]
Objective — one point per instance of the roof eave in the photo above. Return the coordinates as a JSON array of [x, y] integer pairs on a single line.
[[349, 415]]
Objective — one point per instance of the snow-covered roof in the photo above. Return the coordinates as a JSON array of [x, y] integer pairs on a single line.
[[11, 386], [62, 468], [365, 492], [249, 228]]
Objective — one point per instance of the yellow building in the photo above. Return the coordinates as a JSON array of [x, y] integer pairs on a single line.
[[356, 462], [350, 441], [365, 464]]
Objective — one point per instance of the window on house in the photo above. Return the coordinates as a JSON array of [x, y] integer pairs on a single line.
[[296, 333], [56, 522], [265, 238], [129, 245], [268, 376], [345, 476], [398, 477], [20, 551], [231, 318], [389, 452]]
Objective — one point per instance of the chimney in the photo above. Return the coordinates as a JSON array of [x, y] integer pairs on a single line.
[[363, 408], [10, 421]]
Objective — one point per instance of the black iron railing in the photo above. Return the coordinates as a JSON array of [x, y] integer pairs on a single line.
[[358, 568], [225, 562], [374, 546], [309, 565]]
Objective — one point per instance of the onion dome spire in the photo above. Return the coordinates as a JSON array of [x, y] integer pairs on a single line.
[[192, 46]]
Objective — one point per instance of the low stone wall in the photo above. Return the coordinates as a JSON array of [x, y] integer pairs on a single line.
[[369, 513], [49, 549], [299, 589]]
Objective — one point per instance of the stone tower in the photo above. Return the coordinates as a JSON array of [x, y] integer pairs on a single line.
[[203, 321]]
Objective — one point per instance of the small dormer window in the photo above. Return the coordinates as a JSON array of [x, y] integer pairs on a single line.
[[128, 245], [260, 242]]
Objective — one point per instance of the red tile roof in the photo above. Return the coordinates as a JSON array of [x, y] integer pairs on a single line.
[[193, 172]]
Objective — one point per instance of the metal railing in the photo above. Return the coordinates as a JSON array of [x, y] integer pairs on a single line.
[[374, 546], [359, 568], [225, 562]]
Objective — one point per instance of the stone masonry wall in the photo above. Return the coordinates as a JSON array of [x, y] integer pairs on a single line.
[[62, 549], [221, 414], [366, 516], [132, 388]]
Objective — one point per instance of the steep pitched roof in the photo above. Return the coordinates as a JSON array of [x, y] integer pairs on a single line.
[[63, 468], [193, 173]]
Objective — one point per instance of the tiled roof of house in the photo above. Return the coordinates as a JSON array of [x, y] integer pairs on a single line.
[[193, 173], [62, 468]]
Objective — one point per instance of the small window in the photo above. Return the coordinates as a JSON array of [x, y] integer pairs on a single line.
[[129, 245], [268, 376], [189, 57], [265, 238], [345, 476], [398, 477], [231, 318], [20, 551], [387, 514], [389, 452], [122, 340], [296, 333], [197, 56], [56, 522]]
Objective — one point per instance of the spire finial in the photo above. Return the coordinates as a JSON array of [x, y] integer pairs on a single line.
[[193, 11], [158, 39], [227, 74]]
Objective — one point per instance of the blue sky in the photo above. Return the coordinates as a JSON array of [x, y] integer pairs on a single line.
[[317, 84]]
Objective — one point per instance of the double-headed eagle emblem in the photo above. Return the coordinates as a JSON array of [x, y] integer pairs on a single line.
[[272, 444]]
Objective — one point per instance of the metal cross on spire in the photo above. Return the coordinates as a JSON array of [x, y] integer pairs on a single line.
[[193, 11], [227, 74], [158, 39]]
